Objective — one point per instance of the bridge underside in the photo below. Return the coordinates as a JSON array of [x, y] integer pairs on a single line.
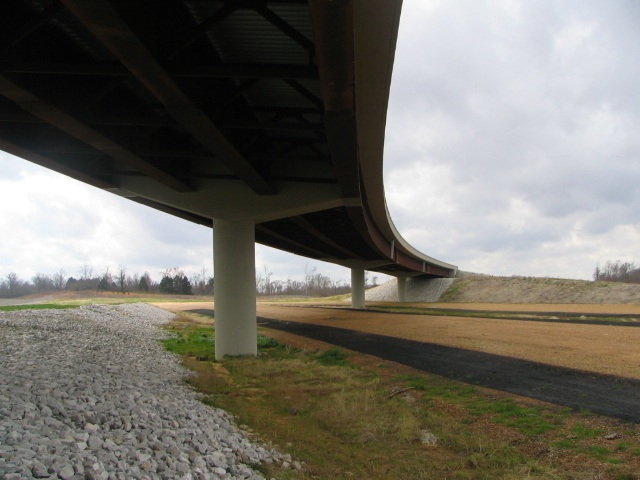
[[268, 113]]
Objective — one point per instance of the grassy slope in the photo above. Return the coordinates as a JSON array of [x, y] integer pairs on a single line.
[[489, 289]]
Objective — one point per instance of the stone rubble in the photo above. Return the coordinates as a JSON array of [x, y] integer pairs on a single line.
[[90, 393]]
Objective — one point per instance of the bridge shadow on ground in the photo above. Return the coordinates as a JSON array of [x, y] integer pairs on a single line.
[[580, 390]]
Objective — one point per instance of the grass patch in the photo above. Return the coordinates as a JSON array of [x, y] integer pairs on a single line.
[[527, 420], [580, 431], [192, 341], [333, 356], [117, 299], [37, 306], [345, 421], [266, 342], [436, 387]]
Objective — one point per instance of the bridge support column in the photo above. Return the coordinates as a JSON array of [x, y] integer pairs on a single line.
[[357, 288], [402, 289], [235, 288]]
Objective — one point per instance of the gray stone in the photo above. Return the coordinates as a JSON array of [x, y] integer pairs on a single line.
[[95, 442], [91, 393], [66, 472], [428, 439], [181, 467], [38, 470]]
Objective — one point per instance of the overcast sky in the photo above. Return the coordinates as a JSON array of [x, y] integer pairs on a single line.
[[512, 148]]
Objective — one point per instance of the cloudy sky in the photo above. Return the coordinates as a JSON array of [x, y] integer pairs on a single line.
[[512, 148]]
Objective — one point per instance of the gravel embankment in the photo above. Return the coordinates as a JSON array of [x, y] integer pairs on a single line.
[[90, 393]]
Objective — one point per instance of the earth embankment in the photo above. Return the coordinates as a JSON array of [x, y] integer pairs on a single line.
[[475, 288]]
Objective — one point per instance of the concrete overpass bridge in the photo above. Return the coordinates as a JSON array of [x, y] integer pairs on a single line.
[[263, 119]]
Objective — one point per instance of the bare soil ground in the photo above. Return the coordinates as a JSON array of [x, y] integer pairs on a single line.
[[611, 350]]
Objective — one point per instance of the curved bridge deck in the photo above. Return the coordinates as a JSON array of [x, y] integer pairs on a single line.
[[262, 118]]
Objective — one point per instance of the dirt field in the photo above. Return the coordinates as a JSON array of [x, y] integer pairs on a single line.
[[609, 350], [603, 349]]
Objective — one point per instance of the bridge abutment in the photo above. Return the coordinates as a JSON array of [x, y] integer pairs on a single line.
[[402, 288], [235, 288]]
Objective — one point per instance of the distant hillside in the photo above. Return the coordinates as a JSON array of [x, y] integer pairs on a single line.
[[486, 288]]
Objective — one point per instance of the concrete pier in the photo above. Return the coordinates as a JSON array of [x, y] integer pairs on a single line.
[[357, 288], [235, 288]]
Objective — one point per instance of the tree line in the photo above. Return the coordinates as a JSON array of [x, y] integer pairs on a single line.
[[313, 284], [617, 271], [173, 281]]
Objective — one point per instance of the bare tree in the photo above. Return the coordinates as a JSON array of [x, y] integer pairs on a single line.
[[106, 281], [121, 277], [199, 282], [263, 282], [617, 272], [42, 282], [314, 284], [59, 279], [13, 283], [86, 272], [132, 282]]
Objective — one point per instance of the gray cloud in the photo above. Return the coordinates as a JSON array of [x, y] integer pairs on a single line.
[[513, 131]]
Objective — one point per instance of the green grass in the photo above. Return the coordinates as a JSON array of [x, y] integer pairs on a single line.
[[581, 431], [116, 299], [267, 343], [603, 454], [197, 342], [582, 434], [529, 421], [37, 306], [333, 356]]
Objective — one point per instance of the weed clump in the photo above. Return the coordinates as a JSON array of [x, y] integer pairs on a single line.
[[333, 356]]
